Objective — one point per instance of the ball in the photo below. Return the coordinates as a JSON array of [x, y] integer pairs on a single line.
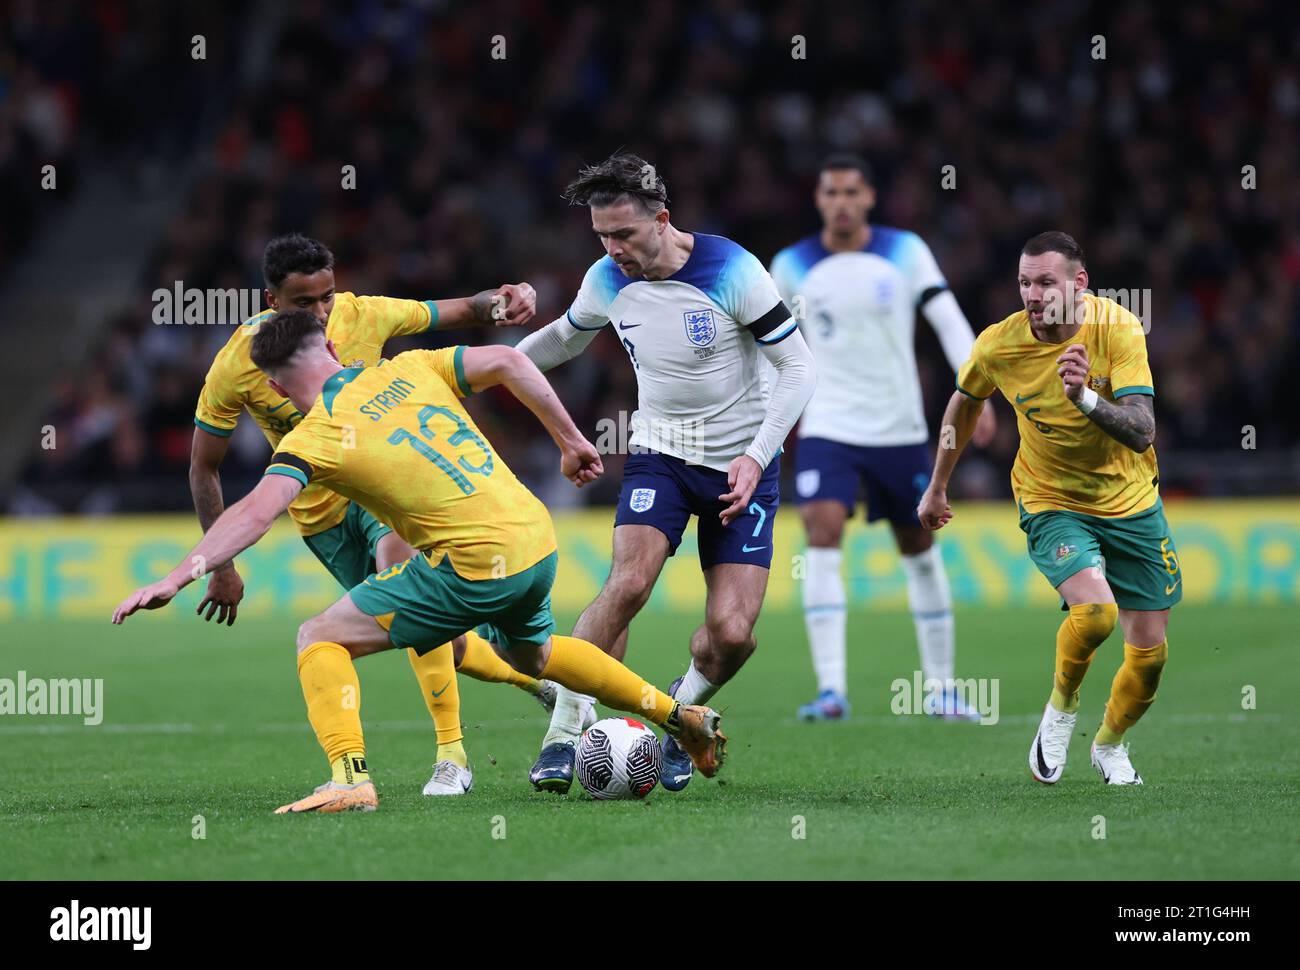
[[618, 757]]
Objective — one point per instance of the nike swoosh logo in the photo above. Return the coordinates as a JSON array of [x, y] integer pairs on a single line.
[[746, 548], [1045, 771], [439, 693], [1169, 590], [276, 408], [627, 326], [1028, 397]]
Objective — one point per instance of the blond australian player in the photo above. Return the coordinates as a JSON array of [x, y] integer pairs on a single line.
[[1074, 367]]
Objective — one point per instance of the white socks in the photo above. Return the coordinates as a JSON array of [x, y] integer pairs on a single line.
[[566, 720], [825, 617], [694, 689], [930, 598], [571, 708]]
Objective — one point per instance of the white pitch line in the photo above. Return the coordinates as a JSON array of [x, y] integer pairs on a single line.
[[301, 727]]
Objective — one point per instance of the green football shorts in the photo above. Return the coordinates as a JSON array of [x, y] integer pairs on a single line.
[[348, 549], [425, 606], [1136, 554]]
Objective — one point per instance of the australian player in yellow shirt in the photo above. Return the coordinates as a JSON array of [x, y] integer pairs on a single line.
[[1074, 367], [396, 439], [349, 541]]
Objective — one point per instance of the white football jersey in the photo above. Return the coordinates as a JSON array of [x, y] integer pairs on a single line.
[[692, 341], [857, 311]]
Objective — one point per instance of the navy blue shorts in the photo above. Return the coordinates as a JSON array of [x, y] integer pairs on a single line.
[[664, 492], [895, 477]]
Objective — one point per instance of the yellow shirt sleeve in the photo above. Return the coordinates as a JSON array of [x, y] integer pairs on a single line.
[[1130, 371], [308, 453], [973, 379], [220, 403], [449, 364], [386, 317]]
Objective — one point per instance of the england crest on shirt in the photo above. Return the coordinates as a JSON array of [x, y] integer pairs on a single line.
[[642, 499], [700, 328]]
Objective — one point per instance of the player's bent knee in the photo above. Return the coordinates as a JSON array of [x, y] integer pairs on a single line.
[[825, 537], [731, 635], [1094, 622], [1144, 629], [311, 631], [528, 658], [630, 588]]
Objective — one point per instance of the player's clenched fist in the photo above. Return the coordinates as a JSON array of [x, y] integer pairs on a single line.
[[934, 510], [580, 463], [514, 305], [1073, 370]]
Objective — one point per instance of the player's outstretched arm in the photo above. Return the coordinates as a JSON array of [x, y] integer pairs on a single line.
[[509, 305], [959, 420], [557, 342], [488, 366], [1131, 420], [225, 588], [239, 527]]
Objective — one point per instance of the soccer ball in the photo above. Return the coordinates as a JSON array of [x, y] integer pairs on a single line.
[[619, 758]]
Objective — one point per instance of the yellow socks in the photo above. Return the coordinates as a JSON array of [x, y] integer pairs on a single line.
[[454, 751], [482, 663], [585, 668], [1082, 632], [436, 673], [333, 695], [349, 769], [1133, 690]]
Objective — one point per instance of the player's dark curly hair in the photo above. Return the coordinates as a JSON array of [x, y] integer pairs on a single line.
[[620, 177], [846, 160], [293, 253], [1055, 241], [279, 337]]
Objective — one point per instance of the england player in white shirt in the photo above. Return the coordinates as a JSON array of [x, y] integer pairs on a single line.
[[696, 314], [856, 289]]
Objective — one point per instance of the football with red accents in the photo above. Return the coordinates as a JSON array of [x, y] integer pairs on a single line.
[[618, 757]]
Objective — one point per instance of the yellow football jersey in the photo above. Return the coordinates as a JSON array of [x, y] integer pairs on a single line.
[[396, 439], [1065, 461], [359, 326]]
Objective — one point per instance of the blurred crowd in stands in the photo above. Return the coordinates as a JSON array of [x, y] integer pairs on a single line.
[[1165, 138]]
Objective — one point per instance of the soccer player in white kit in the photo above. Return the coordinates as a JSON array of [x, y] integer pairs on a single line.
[[696, 314], [856, 288]]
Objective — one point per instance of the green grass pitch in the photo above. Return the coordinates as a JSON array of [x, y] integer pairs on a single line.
[[207, 721]]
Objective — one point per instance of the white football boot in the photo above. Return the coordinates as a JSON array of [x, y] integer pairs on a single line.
[[1051, 745], [546, 697], [1112, 761], [449, 778]]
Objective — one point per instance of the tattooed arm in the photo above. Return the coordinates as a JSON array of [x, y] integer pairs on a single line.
[[225, 587], [1131, 420]]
